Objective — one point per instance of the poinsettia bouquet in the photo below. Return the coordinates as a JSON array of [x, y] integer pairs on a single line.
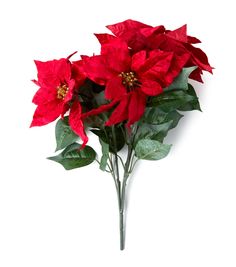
[[129, 96]]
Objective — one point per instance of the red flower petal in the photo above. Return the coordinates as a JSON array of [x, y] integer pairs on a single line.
[[178, 62], [78, 73], [179, 34], [114, 88], [129, 31], [69, 94], [99, 110], [199, 58], [104, 38], [196, 75], [47, 113], [150, 87], [76, 123], [117, 55], [96, 69], [193, 40], [120, 113], [121, 28], [52, 73], [44, 95], [157, 64], [147, 32], [138, 60], [136, 107]]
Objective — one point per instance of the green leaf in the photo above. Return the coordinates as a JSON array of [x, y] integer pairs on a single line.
[[171, 100], [105, 155], [191, 105], [106, 136], [73, 157], [154, 115], [151, 149], [153, 131], [100, 99], [94, 121], [181, 82], [64, 135]]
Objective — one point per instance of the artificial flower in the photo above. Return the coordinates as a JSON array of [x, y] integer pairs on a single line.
[[56, 93], [129, 79]]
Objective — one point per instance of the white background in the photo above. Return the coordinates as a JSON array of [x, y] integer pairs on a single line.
[[181, 210]]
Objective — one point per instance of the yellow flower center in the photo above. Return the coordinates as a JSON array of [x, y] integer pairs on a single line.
[[129, 79], [62, 91]]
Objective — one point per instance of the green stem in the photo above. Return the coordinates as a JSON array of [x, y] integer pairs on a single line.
[[123, 198]]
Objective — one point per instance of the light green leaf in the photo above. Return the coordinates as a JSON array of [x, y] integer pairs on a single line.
[[151, 149], [64, 135], [105, 155], [73, 157], [181, 82]]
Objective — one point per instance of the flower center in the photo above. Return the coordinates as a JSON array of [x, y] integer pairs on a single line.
[[62, 90], [129, 79]]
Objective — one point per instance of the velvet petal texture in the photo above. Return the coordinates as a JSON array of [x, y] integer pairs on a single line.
[[128, 79], [58, 80], [140, 36]]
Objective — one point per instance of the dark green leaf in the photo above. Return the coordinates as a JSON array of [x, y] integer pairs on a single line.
[[191, 105], [171, 100], [94, 121], [151, 149], [99, 99], [107, 137], [72, 157], [155, 115], [64, 135], [105, 155], [181, 82], [153, 131]]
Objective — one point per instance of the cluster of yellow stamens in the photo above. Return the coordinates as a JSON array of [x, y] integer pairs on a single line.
[[62, 91], [129, 79]]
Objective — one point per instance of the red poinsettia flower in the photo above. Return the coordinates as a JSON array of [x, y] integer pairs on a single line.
[[58, 80], [129, 79], [140, 36]]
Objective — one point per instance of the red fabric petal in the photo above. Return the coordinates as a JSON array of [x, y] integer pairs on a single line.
[[129, 31], [193, 40], [121, 28], [196, 75], [137, 106], [76, 123], [44, 95], [120, 113], [199, 58], [157, 64], [179, 34], [96, 69], [99, 110], [52, 73], [104, 38], [150, 87], [178, 62], [78, 73], [138, 60], [69, 95], [71, 55], [147, 32], [114, 88], [47, 113], [117, 55]]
